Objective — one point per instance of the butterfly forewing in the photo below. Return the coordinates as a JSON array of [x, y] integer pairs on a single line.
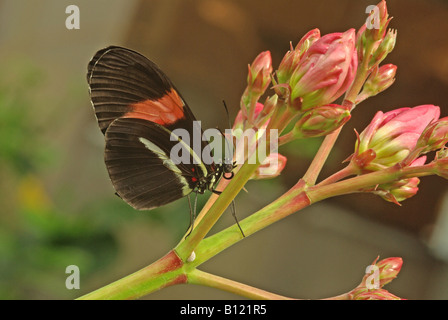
[[122, 81]]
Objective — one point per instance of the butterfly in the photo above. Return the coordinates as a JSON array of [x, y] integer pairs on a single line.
[[137, 108]]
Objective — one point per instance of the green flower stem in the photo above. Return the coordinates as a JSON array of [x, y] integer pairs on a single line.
[[292, 201], [288, 137], [187, 245], [213, 197], [318, 193], [164, 272], [280, 118], [341, 174], [206, 279], [321, 156]]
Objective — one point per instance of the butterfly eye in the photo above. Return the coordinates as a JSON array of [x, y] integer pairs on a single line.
[[228, 168]]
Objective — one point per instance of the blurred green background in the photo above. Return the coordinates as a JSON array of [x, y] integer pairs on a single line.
[[57, 206]]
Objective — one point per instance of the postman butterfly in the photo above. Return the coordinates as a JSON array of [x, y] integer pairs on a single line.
[[138, 108]]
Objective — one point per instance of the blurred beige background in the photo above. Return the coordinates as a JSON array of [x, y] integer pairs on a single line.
[[204, 46]]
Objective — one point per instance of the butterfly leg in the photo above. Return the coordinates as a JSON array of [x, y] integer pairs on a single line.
[[233, 212], [192, 213]]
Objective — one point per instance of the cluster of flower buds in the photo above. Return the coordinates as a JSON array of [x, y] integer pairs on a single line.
[[400, 136], [309, 79], [390, 137], [314, 74], [324, 72], [374, 42], [386, 271]]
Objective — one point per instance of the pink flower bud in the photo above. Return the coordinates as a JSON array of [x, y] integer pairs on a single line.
[[260, 70], [374, 41], [325, 71], [292, 58], [288, 65], [307, 40], [400, 190], [441, 163], [379, 80], [321, 121], [361, 42], [391, 136], [385, 47], [434, 137], [389, 269], [241, 117], [377, 22], [271, 167]]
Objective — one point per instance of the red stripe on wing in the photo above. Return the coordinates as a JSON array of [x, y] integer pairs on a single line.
[[164, 111]]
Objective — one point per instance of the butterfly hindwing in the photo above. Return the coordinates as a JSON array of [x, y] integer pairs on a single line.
[[138, 160]]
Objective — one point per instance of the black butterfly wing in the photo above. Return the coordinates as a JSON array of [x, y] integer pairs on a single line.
[[137, 157], [137, 107], [124, 83]]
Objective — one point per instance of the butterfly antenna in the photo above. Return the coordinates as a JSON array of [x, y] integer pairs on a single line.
[[233, 212], [190, 227], [230, 127], [227, 112]]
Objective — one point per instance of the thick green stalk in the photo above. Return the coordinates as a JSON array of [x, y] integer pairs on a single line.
[[164, 272], [349, 170], [187, 245], [321, 156], [319, 193], [292, 201]]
